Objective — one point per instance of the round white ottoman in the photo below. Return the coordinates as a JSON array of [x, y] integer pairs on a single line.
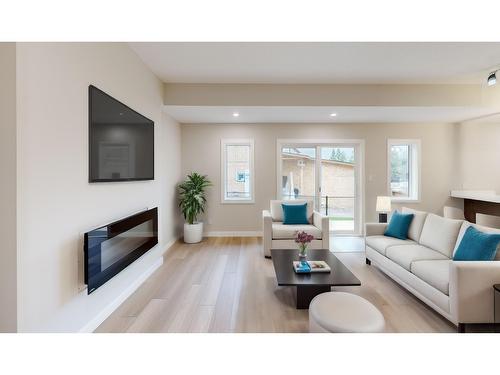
[[344, 312]]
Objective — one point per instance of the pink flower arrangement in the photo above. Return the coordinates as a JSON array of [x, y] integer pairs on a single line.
[[303, 239]]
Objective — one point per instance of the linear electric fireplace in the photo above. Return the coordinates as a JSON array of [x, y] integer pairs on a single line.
[[111, 248]]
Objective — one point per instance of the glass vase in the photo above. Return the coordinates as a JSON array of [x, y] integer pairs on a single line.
[[303, 253]]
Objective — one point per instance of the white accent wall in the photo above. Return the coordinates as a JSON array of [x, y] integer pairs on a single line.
[[56, 201], [8, 254]]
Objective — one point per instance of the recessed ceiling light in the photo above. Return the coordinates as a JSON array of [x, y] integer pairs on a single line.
[[333, 114], [235, 114]]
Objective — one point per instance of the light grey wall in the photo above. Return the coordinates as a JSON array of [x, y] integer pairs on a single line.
[[480, 156], [56, 202], [8, 185], [201, 153]]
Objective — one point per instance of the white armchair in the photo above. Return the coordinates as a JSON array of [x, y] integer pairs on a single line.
[[277, 235]]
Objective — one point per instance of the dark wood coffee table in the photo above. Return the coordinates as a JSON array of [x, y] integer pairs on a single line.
[[312, 284]]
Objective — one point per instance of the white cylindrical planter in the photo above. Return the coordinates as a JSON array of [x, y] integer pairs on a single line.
[[193, 233]]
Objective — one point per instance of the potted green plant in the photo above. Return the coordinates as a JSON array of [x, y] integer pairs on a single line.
[[192, 203]]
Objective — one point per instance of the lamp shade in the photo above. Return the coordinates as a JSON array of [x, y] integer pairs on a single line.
[[383, 204]]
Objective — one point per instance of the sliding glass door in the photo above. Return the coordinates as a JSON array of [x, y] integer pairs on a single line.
[[328, 173], [338, 187]]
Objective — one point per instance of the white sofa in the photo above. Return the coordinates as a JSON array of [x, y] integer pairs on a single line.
[[277, 235], [461, 291]]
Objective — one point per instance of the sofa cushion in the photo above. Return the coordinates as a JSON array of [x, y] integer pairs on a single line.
[[381, 243], [477, 245], [294, 214], [434, 272], [484, 229], [287, 232], [440, 234], [398, 226], [405, 255], [277, 210], [417, 223]]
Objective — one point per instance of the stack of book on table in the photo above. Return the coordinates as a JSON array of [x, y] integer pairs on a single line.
[[311, 266]]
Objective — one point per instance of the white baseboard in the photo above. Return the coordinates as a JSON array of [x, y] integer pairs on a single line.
[[248, 233], [169, 245], [111, 307]]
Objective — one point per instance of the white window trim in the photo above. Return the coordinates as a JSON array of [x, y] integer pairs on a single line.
[[232, 142], [415, 170]]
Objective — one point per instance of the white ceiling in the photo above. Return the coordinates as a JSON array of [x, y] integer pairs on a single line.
[[219, 114], [345, 63]]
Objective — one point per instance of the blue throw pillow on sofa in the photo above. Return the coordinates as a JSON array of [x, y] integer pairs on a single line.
[[399, 225], [477, 245], [294, 214]]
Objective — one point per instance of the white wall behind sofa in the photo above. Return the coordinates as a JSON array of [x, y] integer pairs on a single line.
[[480, 155], [56, 202], [201, 153]]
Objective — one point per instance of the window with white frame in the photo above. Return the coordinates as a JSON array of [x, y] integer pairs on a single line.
[[237, 170], [403, 169]]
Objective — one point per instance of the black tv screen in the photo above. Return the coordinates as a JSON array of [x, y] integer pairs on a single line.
[[121, 141]]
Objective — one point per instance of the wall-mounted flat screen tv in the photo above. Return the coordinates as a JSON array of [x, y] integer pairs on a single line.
[[121, 141]]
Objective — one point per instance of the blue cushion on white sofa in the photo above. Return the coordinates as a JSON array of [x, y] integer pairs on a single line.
[[399, 225], [477, 245]]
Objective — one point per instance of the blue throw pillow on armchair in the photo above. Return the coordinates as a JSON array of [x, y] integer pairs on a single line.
[[399, 225], [294, 214], [477, 245]]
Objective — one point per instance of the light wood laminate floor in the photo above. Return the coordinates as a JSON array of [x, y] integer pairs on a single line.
[[226, 285]]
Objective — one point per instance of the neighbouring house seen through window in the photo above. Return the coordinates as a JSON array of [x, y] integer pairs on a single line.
[[237, 171]]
